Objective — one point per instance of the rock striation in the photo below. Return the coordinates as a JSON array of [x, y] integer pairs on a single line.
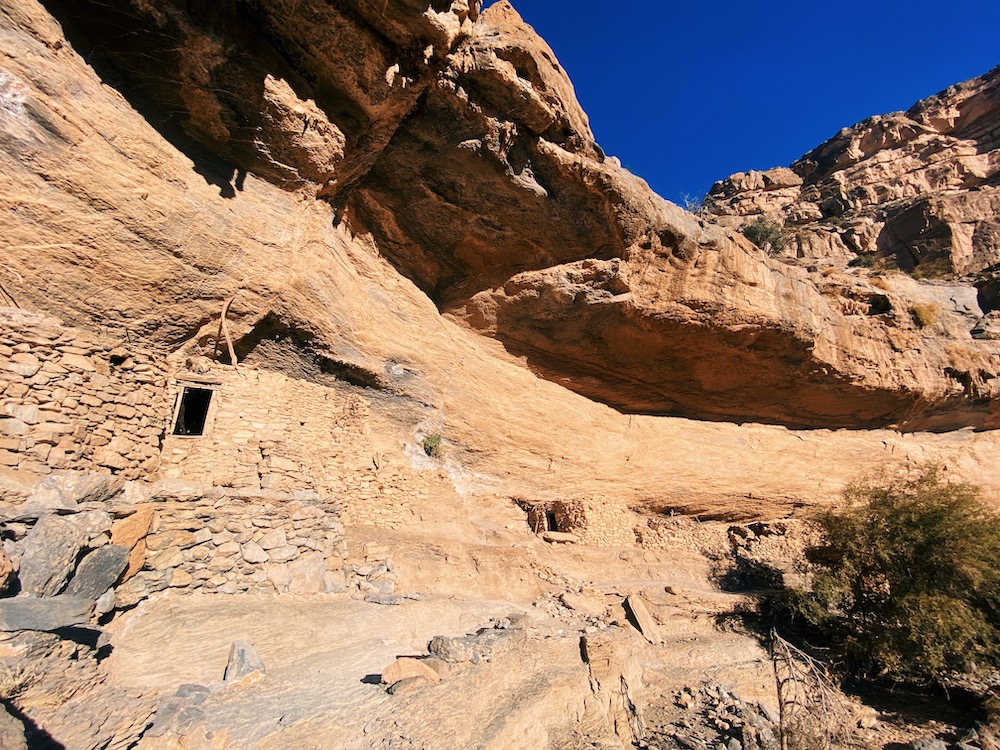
[[450, 143], [260, 256]]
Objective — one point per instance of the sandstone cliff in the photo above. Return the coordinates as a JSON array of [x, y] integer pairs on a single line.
[[455, 142], [347, 174], [916, 190], [393, 216]]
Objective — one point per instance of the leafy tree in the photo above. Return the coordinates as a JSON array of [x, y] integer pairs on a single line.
[[908, 580], [767, 235]]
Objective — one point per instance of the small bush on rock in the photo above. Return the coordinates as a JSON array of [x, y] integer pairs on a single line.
[[908, 581], [432, 445], [767, 235]]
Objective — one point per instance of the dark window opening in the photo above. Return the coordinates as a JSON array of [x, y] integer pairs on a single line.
[[550, 521], [193, 411]]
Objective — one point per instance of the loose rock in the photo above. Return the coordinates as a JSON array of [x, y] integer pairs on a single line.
[[98, 572], [245, 667], [48, 614], [406, 667], [407, 686], [644, 621], [50, 552]]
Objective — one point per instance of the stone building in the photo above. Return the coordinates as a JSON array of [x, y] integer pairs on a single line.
[[72, 401], [602, 522]]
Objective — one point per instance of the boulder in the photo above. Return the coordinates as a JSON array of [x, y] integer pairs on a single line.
[[48, 614], [67, 491], [334, 582], [131, 532], [441, 667], [639, 616], [98, 571], [105, 602], [406, 667], [245, 667], [307, 574], [50, 552], [475, 648]]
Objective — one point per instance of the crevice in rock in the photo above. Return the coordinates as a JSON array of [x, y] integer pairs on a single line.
[[36, 737], [273, 344]]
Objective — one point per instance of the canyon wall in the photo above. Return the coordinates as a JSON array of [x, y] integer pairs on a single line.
[[411, 204]]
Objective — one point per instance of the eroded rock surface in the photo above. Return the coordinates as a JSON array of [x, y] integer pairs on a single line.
[[917, 190], [451, 144]]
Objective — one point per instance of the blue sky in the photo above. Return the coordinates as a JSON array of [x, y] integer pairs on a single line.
[[688, 93]]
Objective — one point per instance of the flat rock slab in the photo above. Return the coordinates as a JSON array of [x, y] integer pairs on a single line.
[[560, 537], [635, 608], [66, 492], [408, 685], [475, 648], [585, 604], [98, 571], [48, 614]]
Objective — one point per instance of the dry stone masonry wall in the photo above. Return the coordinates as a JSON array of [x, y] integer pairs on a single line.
[[601, 522], [272, 432], [229, 542], [73, 401], [95, 541]]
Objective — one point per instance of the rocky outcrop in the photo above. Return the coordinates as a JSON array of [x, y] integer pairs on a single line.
[[451, 144], [916, 190]]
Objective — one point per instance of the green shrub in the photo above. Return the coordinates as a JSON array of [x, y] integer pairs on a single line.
[[767, 235], [432, 445], [908, 581]]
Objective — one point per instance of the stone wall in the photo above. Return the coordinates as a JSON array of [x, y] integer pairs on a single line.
[[666, 533], [269, 431], [601, 522], [609, 523], [181, 536], [225, 541], [69, 400]]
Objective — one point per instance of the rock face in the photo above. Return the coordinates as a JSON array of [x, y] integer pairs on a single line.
[[918, 190], [452, 144], [141, 204]]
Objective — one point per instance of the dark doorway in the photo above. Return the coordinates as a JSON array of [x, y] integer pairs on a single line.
[[193, 411], [550, 521]]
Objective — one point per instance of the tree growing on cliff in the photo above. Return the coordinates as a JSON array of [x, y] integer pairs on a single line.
[[769, 236], [908, 580]]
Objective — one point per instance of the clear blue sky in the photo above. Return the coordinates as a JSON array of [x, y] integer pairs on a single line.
[[688, 93]]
